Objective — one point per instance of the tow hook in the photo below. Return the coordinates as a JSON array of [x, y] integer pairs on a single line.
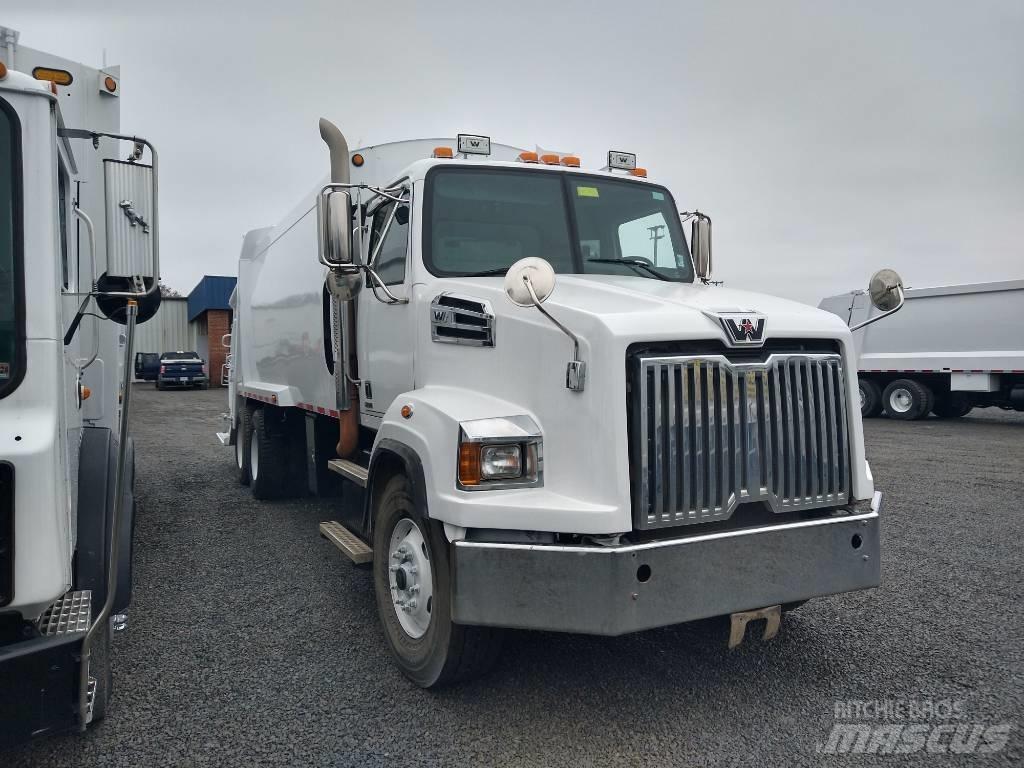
[[739, 620]]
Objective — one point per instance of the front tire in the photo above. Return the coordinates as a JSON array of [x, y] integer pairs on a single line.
[[953, 406], [906, 400], [414, 599], [870, 398]]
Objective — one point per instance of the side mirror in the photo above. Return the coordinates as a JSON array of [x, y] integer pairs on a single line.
[[334, 226], [886, 290], [700, 244], [529, 273]]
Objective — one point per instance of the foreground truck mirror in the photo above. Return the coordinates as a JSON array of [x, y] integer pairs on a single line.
[[531, 281], [886, 292], [700, 244], [334, 217]]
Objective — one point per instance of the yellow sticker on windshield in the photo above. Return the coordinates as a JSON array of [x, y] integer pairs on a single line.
[[587, 192]]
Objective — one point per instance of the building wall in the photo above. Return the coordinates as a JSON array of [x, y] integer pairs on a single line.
[[218, 323], [168, 330]]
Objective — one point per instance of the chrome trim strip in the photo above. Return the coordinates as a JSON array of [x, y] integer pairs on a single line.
[[876, 504]]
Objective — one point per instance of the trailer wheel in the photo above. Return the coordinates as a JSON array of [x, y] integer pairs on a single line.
[[870, 398], [412, 582], [952, 406], [267, 459], [906, 399], [243, 439]]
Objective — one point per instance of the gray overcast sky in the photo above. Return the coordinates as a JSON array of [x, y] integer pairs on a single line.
[[826, 140]]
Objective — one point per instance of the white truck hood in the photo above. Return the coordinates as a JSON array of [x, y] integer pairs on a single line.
[[648, 309]]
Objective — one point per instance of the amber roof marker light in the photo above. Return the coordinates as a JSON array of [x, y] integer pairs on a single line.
[[3, 70], [55, 76], [358, 160]]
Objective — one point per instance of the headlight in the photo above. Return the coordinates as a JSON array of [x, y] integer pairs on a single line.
[[499, 453], [499, 462]]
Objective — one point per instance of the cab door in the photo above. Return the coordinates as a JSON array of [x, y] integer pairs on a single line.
[[384, 330]]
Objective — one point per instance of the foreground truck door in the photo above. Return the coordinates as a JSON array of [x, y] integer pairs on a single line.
[[385, 328]]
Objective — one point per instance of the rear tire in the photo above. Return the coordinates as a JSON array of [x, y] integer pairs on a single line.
[[429, 648], [243, 439], [267, 459], [870, 398], [953, 406], [906, 400]]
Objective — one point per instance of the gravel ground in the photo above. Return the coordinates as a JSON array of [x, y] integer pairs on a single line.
[[253, 642]]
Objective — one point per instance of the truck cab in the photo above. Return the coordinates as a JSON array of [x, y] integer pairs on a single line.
[[555, 419], [67, 303]]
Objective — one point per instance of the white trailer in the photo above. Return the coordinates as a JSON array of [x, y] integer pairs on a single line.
[[78, 267], [630, 448], [951, 349]]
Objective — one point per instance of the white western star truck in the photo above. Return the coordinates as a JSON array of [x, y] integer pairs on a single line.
[[628, 447], [953, 348], [78, 267]]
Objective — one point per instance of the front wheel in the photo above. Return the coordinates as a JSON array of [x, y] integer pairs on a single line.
[[953, 406], [870, 398], [412, 582]]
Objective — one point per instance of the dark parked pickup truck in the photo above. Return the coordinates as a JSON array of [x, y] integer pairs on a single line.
[[181, 369], [147, 366]]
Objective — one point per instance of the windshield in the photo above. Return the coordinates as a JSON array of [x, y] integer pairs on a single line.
[[481, 221], [12, 319]]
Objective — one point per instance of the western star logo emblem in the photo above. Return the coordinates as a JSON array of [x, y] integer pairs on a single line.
[[743, 328]]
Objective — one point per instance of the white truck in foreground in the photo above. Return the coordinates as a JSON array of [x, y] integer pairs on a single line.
[[952, 348], [543, 413], [78, 268]]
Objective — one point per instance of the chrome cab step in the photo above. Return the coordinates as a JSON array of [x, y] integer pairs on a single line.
[[69, 615], [349, 470], [354, 548]]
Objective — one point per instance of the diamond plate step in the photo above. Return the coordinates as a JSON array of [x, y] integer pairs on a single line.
[[70, 614], [349, 470], [354, 548]]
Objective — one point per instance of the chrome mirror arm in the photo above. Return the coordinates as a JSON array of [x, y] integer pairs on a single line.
[[870, 320], [575, 373]]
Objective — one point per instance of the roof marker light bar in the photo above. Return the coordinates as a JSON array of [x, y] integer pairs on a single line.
[[623, 161], [474, 145]]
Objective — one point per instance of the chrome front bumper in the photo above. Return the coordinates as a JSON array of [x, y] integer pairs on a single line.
[[616, 590]]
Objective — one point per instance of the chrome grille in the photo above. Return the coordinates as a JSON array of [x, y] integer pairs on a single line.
[[710, 434]]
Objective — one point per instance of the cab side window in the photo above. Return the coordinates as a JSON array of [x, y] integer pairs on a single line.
[[389, 249]]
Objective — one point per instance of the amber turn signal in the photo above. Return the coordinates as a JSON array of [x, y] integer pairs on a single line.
[[469, 463]]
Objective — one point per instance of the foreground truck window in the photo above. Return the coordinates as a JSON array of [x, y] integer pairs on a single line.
[[12, 331]]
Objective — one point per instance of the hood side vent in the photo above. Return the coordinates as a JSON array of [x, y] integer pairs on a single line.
[[461, 320]]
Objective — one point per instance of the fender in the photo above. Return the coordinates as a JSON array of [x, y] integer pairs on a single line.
[[413, 471], [96, 468], [420, 440]]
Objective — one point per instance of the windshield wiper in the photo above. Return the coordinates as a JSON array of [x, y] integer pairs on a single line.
[[487, 272], [633, 263]]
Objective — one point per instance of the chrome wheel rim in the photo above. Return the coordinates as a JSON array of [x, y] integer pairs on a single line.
[[410, 578], [900, 400], [254, 458]]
